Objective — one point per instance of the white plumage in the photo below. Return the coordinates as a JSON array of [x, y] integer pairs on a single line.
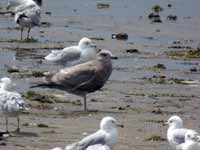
[[103, 139], [176, 132], [98, 147], [27, 14], [11, 103], [191, 142], [72, 55]]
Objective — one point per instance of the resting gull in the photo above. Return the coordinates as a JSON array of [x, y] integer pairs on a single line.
[[103, 139], [176, 132], [11, 103], [80, 53], [83, 78], [191, 142], [27, 14]]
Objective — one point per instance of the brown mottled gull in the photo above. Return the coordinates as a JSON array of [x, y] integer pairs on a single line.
[[83, 78]]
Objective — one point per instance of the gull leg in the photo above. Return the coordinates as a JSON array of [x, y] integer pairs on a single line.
[[22, 33], [29, 29], [6, 118], [85, 102], [18, 120]]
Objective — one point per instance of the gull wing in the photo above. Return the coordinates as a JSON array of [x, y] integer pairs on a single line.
[[93, 139]]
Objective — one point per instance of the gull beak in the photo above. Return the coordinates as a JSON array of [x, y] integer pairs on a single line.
[[166, 123], [114, 57], [120, 125], [98, 50]]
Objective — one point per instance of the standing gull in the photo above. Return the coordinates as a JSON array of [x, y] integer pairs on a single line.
[[27, 14], [103, 139], [176, 132], [80, 53], [191, 142], [83, 78], [11, 103]]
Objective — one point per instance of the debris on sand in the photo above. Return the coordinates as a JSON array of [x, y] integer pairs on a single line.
[[155, 17], [155, 138], [172, 17], [192, 53], [103, 5], [134, 50], [120, 36], [160, 66], [24, 73], [45, 24], [29, 40]]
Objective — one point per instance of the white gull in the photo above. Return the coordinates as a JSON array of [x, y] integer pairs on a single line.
[[27, 14], [103, 139], [191, 142], [83, 52], [11, 103], [176, 132]]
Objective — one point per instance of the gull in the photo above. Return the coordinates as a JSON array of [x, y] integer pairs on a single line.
[[191, 142], [105, 138], [11, 103], [176, 132], [80, 53], [83, 78], [93, 147], [27, 14]]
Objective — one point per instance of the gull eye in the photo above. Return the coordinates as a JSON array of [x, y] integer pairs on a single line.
[[87, 43], [170, 121]]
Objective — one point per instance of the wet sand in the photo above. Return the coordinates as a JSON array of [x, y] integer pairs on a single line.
[[139, 94]]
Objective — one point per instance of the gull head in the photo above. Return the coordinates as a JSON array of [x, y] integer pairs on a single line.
[[109, 123], [106, 54], [192, 136], [85, 43], [175, 121], [6, 83]]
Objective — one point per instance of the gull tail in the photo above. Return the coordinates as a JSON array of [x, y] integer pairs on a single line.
[[40, 85]]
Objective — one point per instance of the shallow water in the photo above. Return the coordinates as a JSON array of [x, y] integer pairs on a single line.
[[71, 21]]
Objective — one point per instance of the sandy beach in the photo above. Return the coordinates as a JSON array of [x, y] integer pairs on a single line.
[[156, 75]]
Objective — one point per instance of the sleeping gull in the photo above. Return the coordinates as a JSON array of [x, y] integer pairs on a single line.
[[27, 14], [93, 147], [11, 103], [83, 78], [80, 53], [176, 132], [105, 138], [191, 142]]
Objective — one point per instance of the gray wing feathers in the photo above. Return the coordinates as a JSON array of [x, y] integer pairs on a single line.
[[33, 14], [179, 135], [74, 76], [11, 101], [64, 56], [93, 139]]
